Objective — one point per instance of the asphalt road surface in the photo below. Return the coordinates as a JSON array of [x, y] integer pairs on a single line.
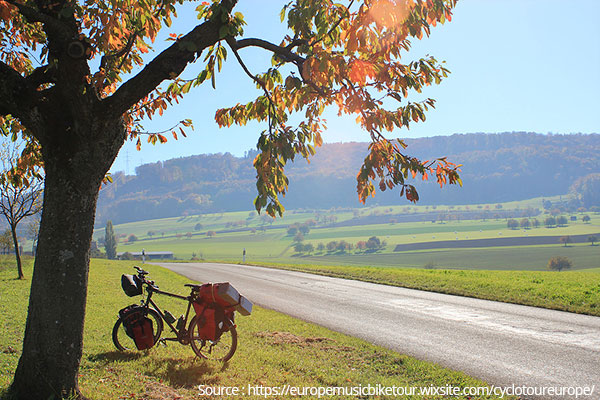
[[503, 344]]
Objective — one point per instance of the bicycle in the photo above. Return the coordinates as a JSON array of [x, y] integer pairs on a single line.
[[219, 344]]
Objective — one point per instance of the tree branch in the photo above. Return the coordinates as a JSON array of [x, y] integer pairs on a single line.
[[121, 53], [167, 65], [231, 42], [32, 15], [285, 53], [13, 91], [40, 76]]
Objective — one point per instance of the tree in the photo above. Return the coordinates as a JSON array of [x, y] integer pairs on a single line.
[[592, 239], [550, 222], [6, 242], [559, 263], [132, 238], [587, 189], [304, 229], [525, 223], [18, 199], [110, 241], [309, 248], [331, 246], [374, 244], [512, 224], [586, 219], [562, 221], [565, 240], [75, 119], [211, 234]]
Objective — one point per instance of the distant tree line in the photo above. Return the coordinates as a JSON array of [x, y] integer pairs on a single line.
[[497, 168]]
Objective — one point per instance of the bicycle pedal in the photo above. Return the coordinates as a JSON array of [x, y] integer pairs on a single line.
[[162, 341]]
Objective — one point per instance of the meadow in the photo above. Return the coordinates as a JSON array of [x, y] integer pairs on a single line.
[[274, 349], [267, 240]]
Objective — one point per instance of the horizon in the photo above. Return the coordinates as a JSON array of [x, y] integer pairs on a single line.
[[134, 172]]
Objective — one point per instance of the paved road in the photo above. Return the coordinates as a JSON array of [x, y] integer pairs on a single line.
[[503, 344]]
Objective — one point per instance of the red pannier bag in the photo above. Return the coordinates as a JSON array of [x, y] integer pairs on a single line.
[[216, 315], [143, 334], [212, 322], [138, 326]]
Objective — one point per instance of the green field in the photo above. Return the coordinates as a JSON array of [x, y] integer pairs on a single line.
[[274, 349], [266, 240]]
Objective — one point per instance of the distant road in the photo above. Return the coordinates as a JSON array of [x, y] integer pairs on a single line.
[[503, 344]]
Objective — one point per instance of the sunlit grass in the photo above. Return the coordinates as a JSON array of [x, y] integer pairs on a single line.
[[274, 349]]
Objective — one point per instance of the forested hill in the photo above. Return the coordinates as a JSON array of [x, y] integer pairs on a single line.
[[496, 167]]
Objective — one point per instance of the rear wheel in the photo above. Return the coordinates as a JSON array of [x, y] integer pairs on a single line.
[[123, 342], [221, 349]]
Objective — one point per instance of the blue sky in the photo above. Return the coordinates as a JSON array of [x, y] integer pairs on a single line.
[[517, 65]]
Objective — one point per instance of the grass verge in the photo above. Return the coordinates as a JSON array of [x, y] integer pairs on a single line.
[[274, 350], [574, 291]]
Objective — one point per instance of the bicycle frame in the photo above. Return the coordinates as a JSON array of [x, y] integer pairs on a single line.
[[181, 335]]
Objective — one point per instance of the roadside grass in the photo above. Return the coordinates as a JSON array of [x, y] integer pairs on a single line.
[[573, 291], [513, 258], [274, 349]]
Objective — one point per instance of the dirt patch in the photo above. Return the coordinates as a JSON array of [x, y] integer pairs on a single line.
[[290, 338], [158, 391], [323, 343]]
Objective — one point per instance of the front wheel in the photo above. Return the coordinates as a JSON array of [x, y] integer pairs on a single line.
[[221, 349], [123, 342]]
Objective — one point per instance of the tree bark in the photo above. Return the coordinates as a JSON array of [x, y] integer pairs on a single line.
[[75, 166], [13, 230]]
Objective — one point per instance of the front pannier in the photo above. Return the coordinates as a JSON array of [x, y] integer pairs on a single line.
[[138, 326], [131, 285]]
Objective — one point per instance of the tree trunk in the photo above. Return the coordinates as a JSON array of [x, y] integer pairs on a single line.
[[17, 252], [52, 348]]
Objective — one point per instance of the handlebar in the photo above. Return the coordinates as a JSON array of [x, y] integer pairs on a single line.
[[141, 271], [142, 275]]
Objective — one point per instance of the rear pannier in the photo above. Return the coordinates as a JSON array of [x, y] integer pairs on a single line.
[[131, 285], [215, 304], [138, 326]]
